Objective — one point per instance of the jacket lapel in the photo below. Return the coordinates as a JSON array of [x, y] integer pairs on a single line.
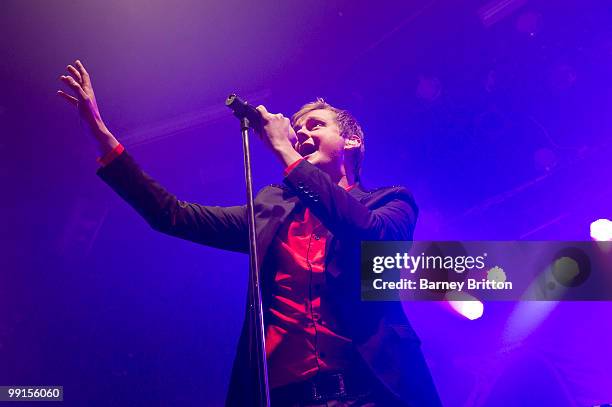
[[272, 208], [359, 194]]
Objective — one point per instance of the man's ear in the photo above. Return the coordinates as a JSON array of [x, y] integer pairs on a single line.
[[352, 143]]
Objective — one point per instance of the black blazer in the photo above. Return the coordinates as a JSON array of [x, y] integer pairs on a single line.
[[380, 331]]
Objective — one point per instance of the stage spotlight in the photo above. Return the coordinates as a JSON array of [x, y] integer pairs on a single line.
[[465, 304], [601, 230]]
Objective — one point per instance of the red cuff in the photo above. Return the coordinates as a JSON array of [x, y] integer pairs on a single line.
[[111, 155], [292, 166]]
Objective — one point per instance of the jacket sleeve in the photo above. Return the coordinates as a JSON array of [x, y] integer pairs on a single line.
[[394, 217], [220, 227]]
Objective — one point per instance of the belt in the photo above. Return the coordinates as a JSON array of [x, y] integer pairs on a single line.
[[320, 388]]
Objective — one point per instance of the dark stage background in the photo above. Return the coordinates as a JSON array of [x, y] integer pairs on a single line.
[[497, 118]]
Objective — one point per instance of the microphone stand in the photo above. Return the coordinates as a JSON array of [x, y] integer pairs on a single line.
[[257, 341]]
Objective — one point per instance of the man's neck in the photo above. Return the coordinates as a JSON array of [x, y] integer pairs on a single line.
[[342, 178], [339, 175]]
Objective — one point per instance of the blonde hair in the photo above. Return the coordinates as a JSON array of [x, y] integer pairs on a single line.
[[347, 124]]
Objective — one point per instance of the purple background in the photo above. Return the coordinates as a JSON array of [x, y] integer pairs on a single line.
[[500, 128]]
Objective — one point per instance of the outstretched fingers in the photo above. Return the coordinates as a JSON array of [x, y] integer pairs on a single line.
[[69, 80], [75, 73], [84, 74]]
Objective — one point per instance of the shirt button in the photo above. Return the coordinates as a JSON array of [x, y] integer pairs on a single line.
[[316, 237]]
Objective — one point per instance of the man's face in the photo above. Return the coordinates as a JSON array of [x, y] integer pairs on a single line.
[[319, 139]]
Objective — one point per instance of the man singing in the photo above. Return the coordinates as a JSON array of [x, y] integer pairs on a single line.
[[324, 346]]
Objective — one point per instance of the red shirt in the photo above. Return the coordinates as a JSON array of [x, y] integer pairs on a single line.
[[298, 343]]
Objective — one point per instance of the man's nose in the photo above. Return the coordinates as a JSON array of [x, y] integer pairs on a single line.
[[302, 135]]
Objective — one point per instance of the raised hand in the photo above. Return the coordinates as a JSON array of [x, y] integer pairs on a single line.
[[85, 100]]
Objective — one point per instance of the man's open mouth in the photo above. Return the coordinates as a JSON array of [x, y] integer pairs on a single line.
[[306, 149]]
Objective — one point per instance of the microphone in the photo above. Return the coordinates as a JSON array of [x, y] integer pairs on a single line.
[[242, 109]]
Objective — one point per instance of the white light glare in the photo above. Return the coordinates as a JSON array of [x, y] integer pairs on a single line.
[[601, 230], [465, 304]]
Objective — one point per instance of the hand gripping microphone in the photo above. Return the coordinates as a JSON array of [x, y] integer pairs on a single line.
[[242, 109]]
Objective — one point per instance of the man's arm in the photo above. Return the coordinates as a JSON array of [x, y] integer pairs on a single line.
[[344, 215], [210, 225], [221, 227]]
